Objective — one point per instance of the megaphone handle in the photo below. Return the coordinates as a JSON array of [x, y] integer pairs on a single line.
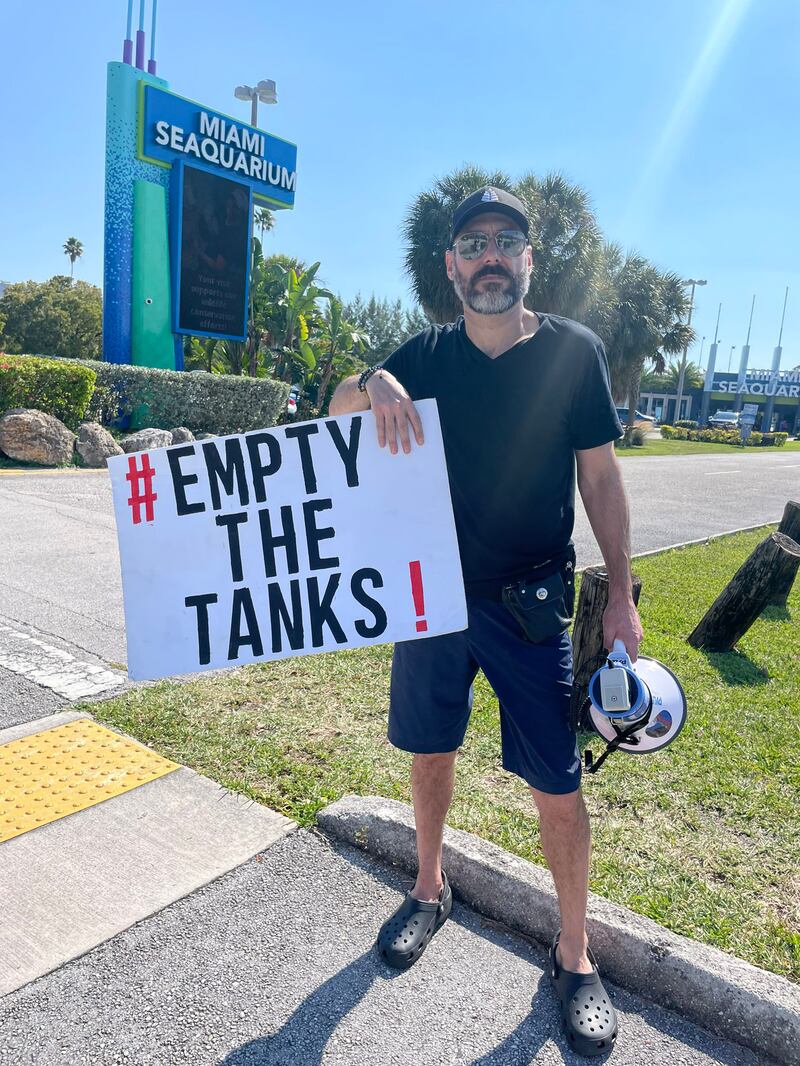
[[619, 648]]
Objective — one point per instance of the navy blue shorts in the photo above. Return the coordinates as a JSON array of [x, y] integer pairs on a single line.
[[431, 695]]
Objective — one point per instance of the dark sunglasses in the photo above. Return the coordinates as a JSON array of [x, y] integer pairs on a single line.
[[510, 243]]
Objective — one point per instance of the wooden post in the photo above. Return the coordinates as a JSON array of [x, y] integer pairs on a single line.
[[589, 653], [773, 562], [790, 527]]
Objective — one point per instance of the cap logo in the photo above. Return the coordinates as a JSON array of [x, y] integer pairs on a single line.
[[490, 194]]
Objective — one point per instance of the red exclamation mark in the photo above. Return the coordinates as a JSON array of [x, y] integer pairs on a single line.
[[417, 593]]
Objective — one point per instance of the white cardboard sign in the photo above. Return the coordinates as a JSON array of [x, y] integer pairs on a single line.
[[287, 541]]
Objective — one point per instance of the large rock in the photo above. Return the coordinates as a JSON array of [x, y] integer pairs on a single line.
[[204, 436], [95, 444], [34, 437], [182, 435], [145, 439]]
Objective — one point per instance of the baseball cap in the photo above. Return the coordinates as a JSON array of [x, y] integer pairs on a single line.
[[489, 199]]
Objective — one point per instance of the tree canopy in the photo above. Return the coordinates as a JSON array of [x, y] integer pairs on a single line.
[[55, 317]]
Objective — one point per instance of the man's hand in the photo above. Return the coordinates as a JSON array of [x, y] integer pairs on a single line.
[[394, 410], [621, 622]]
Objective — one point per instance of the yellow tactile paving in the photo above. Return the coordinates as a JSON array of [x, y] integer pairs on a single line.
[[48, 775]]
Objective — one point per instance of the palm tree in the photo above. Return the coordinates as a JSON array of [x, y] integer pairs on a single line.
[[74, 249], [265, 220], [640, 323], [566, 241]]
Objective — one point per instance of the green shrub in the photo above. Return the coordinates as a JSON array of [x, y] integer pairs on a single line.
[[54, 386], [723, 436], [163, 399], [686, 423]]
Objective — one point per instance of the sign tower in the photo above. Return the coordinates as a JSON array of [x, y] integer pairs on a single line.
[[181, 184]]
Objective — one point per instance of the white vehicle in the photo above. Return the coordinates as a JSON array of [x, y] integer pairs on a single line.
[[725, 420]]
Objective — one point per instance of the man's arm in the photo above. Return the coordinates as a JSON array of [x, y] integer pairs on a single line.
[[606, 503], [393, 408], [347, 397]]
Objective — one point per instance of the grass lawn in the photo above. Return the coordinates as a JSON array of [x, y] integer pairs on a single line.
[[693, 447], [703, 837]]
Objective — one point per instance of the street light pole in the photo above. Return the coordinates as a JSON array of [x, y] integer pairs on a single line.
[[265, 92], [682, 373]]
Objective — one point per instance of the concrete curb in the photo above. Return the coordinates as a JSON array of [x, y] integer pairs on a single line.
[[723, 994]]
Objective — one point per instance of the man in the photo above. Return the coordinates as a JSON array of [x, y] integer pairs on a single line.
[[519, 394]]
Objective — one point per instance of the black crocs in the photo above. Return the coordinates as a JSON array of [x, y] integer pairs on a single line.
[[406, 934], [587, 1013]]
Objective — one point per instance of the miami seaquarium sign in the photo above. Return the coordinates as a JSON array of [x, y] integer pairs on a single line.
[[762, 383], [172, 128]]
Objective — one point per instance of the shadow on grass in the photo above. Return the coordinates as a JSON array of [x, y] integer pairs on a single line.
[[776, 614], [735, 668]]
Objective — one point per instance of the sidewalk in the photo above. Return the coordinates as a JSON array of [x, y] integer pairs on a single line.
[[265, 959]]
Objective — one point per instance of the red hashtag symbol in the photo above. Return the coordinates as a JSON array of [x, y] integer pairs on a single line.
[[146, 474]]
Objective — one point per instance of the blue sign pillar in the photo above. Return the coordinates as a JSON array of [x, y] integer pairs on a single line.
[[148, 130]]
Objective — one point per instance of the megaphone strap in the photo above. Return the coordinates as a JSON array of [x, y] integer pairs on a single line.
[[591, 766]]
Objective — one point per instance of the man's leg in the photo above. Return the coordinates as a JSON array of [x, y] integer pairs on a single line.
[[566, 842], [432, 779]]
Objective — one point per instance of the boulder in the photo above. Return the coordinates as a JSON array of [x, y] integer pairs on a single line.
[[204, 436], [34, 437], [182, 435], [95, 444], [146, 439]]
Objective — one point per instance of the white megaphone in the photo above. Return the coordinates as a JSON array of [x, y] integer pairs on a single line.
[[638, 708]]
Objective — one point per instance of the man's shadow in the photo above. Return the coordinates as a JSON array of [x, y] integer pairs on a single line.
[[303, 1038]]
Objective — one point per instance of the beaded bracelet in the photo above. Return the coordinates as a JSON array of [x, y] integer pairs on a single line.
[[366, 375]]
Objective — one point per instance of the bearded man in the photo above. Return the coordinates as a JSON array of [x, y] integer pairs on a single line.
[[523, 401]]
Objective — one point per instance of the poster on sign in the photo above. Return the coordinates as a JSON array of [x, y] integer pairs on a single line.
[[288, 541]]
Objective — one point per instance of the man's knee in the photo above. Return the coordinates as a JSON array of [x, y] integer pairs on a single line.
[[435, 759], [566, 807]]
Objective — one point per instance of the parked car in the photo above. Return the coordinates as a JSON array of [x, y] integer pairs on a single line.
[[725, 420], [641, 421]]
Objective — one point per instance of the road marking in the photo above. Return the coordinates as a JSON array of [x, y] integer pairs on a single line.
[[52, 667], [11, 472]]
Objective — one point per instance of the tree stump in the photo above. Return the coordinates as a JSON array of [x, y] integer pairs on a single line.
[[773, 562], [790, 527], [587, 635]]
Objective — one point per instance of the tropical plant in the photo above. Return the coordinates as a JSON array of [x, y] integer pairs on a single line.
[[340, 344], [74, 249]]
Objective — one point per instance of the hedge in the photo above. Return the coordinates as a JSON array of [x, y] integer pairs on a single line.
[[725, 436], [56, 386], [163, 399]]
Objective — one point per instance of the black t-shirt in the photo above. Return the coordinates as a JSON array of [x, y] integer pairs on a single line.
[[510, 426]]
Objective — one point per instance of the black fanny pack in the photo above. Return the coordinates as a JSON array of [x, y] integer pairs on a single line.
[[543, 601]]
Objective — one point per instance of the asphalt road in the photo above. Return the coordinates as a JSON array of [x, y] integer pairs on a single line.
[[273, 964], [59, 564]]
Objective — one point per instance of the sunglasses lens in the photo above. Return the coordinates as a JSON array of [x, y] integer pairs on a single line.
[[511, 244], [471, 245]]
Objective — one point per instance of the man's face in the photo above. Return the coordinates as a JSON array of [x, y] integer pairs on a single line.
[[492, 283]]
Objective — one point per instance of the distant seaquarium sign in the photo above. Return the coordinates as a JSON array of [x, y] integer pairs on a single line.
[[762, 383], [172, 128]]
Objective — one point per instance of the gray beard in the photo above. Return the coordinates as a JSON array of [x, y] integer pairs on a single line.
[[495, 300]]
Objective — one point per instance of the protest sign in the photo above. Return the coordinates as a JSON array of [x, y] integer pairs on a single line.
[[288, 541]]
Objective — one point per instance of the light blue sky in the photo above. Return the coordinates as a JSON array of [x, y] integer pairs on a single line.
[[679, 118]]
